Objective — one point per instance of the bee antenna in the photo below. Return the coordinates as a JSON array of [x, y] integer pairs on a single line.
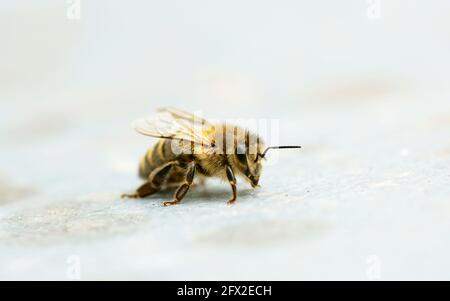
[[276, 147]]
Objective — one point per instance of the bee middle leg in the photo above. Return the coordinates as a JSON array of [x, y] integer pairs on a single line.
[[183, 188], [156, 179], [232, 180]]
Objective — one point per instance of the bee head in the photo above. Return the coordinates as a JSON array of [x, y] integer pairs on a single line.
[[250, 164], [247, 160], [248, 152]]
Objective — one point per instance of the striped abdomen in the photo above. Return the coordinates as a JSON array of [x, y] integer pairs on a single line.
[[155, 157]]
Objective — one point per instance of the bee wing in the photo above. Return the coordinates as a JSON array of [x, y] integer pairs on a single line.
[[182, 115], [170, 125]]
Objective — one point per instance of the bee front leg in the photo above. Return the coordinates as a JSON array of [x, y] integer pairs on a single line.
[[183, 188], [232, 180]]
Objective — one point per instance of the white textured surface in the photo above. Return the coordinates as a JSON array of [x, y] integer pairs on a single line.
[[368, 192]]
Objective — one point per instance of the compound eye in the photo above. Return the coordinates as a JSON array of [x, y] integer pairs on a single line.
[[240, 153], [242, 158]]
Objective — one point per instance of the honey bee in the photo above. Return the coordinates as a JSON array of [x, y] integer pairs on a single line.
[[190, 146]]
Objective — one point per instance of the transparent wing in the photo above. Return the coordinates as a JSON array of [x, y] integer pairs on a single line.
[[172, 125], [182, 115]]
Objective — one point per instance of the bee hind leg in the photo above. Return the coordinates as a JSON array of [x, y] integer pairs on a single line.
[[183, 188], [156, 179], [144, 190]]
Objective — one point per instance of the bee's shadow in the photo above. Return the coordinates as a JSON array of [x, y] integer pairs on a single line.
[[214, 193]]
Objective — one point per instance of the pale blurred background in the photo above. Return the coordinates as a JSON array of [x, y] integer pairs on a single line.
[[364, 86]]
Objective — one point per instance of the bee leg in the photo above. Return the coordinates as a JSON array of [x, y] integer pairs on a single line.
[[183, 188], [144, 190], [232, 181], [156, 180], [129, 196]]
